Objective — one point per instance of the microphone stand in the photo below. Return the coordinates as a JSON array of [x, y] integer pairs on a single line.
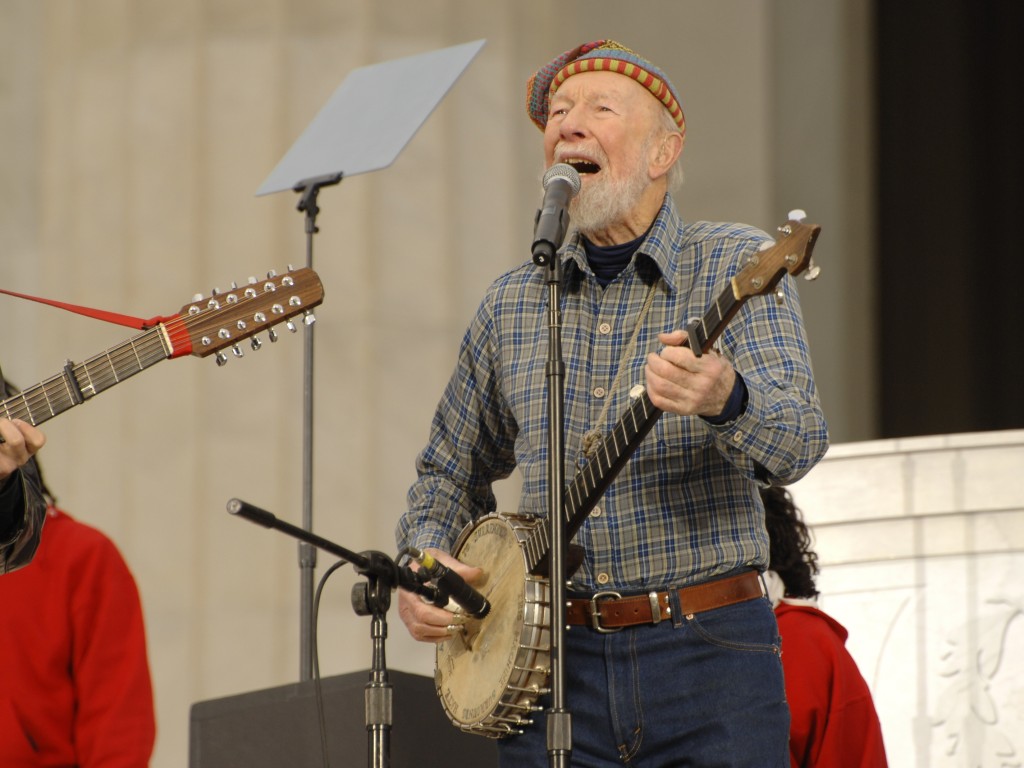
[[559, 722], [309, 189], [372, 598]]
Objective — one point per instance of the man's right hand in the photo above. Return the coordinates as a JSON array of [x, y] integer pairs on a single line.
[[427, 622]]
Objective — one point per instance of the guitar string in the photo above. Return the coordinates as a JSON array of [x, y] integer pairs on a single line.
[[51, 396]]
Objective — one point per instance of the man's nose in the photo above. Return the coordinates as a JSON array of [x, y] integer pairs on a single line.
[[573, 124]]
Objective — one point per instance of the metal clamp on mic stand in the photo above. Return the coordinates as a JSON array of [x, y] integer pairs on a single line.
[[370, 598], [561, 183]]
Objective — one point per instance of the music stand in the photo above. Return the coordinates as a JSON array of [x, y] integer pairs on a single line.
[[371, 117], [363, 127]]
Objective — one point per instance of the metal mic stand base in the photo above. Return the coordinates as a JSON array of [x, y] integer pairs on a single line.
[[373, 598]]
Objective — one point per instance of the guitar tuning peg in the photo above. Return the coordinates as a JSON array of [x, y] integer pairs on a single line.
[[813, 270], [237, 351], [291, 268], [252, 280], [198, 297], [234, 286], [272, 335], [255, 343], [290, 326], [272, 274], [798, 214], [309, 318], [221, 358]]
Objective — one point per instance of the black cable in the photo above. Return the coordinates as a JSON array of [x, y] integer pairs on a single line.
[[315, 654]]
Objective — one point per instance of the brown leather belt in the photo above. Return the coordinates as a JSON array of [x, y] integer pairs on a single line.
[[609, 611]]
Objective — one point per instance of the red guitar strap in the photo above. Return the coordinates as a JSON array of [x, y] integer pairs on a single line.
[[98, 314]]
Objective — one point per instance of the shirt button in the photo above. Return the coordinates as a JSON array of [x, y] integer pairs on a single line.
[[596, 512], [599, 392], [737, 436], [604, 328], [603, 578]]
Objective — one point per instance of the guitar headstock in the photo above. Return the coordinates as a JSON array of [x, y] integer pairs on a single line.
[[207, 325], [791, 253]]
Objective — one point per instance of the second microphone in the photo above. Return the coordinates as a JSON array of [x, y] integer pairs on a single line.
[[452, 584]]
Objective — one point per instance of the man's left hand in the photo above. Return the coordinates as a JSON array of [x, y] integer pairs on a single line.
[[680, 382]]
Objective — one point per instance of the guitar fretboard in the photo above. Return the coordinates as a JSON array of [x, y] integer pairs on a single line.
[[79, 382]]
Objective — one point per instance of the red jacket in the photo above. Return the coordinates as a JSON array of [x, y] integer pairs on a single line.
[[833, 719], [74, 677]]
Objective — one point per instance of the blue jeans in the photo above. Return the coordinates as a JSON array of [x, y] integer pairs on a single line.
[[704, 691]]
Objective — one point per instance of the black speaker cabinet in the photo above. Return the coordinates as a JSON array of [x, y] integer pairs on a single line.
[[279, 728]]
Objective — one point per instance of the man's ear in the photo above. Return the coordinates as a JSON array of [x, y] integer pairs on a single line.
[[666, 152]]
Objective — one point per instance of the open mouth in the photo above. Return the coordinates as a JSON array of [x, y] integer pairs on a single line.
[[582, 166]]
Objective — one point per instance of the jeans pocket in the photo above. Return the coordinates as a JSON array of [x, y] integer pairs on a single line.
[[748, 626]]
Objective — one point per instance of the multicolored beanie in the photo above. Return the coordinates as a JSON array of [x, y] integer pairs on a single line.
[[601, 55]]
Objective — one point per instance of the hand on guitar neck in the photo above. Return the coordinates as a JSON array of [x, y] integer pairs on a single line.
[[426, 622], [679, 381], [19, 441]]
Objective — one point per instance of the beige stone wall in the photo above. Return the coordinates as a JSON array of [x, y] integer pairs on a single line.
[[921, 543], [133, 136]]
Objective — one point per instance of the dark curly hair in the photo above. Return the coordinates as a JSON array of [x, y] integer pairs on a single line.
[[791, 554]]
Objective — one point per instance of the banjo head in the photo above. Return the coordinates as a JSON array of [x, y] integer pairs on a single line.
[[489, 676]]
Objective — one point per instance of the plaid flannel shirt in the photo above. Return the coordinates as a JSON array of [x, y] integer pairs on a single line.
[[685, 507]]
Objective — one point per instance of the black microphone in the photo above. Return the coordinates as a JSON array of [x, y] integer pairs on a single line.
[[450, 583], [561, 183]]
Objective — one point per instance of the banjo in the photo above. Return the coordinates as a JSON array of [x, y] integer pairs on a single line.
[[490, 675]]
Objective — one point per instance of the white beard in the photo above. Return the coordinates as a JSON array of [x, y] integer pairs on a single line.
[[603, 204]]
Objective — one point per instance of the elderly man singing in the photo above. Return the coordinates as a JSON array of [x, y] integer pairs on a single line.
[[676, 659]]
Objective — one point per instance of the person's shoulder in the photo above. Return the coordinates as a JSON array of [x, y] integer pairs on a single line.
[[511, 289], [523, 272], [716, 231], [808, 620], [72, 533]]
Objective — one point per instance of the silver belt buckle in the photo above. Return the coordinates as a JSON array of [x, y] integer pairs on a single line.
[[652, 598], [595, 614]]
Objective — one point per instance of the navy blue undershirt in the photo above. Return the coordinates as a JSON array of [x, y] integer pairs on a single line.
[[608, 260]]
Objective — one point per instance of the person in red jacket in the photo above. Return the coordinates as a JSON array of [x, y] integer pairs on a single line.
[[832, 716], [75, 687]]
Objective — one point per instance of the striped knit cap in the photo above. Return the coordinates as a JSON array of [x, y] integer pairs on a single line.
[[602, 55]]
